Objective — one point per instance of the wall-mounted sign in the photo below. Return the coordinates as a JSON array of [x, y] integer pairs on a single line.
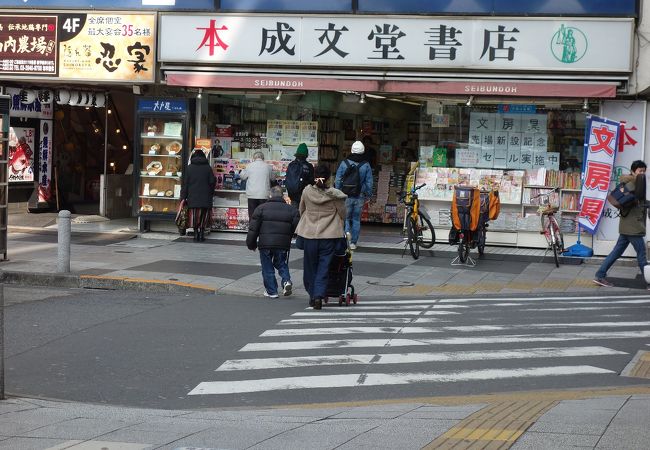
[[162, 105], [28, 45], [504, 43], [86, 47], [108, 47]]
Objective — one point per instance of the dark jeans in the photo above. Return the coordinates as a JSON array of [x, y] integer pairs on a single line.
[[271, 259], [621, 244], [317, 257], [252, 204]]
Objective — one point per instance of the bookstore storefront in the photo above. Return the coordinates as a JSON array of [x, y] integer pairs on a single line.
[[475, 101]]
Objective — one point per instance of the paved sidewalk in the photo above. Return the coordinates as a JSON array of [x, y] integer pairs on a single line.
[[112, 254], [594, 420]]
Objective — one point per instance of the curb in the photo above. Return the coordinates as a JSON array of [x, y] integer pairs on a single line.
[[65, 280]]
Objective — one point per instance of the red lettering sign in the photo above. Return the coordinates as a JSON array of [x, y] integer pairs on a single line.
[[591, 209], [605, 138], [598, 175]]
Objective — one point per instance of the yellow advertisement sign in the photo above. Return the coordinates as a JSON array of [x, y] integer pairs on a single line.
[[108, 47]]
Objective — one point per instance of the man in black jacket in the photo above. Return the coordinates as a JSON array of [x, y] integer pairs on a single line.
[[270, 229]]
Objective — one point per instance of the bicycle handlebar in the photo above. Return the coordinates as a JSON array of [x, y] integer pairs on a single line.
[[415, 188]]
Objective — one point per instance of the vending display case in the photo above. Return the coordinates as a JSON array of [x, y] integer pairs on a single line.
[[161, 152]]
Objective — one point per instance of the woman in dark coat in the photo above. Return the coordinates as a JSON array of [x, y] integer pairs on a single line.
[[197, 191]]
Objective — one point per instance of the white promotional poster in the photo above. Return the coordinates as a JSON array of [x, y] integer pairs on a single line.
[[632, 115], [601, 144], [45, 163], [21, 154]]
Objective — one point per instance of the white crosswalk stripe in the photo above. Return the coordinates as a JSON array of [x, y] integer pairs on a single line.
[[401, 358], [285, 357]]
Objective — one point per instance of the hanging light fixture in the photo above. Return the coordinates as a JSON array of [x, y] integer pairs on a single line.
[[469, 100], [362, 98], [200, 94], [277, 97], [585, 104]]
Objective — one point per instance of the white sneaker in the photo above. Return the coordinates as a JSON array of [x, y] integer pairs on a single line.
[[288, 286], [353, 246], [266, 294]]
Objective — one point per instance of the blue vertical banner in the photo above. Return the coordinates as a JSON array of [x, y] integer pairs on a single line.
[[601, 145]]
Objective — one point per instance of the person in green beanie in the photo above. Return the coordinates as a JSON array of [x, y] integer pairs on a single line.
[[300, 173]]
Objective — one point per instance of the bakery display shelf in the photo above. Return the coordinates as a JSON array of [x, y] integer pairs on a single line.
[[161, 197], [173, 177], [159, 136]]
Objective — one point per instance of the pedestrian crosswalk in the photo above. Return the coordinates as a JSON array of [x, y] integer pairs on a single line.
[[431, 342]]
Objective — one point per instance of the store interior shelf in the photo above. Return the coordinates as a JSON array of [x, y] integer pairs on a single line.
[[571, 190], [172, 177], [159, 197], [159, 136]]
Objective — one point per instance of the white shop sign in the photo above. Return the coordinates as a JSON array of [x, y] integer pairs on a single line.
[[539, 44]]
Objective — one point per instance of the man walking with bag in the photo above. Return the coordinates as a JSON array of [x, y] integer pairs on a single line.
[[300, 173], [270, 230], [631, 226], [354, 178]]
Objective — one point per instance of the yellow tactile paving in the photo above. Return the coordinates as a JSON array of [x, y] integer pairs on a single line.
[[496, 426], [145, 280], [458, 289], [418, 289], [642, 367], [584, 283], [555, 284]]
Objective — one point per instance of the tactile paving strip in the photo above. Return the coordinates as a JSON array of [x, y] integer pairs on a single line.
[[639, 367], [496, 426]]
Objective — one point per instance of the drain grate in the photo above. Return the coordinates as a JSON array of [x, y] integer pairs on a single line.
[[639, 367]]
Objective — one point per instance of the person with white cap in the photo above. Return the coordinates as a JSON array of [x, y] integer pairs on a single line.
[[354, 178]]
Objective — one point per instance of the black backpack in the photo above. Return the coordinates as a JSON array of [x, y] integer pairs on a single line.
[[622, 199], [298, 175], [351, 180]]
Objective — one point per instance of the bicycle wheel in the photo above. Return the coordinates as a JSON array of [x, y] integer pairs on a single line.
[[559, 238], [427, 235], [414, 246], [463, 248], [482, 236]]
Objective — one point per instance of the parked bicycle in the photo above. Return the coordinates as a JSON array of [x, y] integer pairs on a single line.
[[419, 231], [550, 227]]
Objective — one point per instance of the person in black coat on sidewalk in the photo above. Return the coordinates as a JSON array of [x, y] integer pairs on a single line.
[[270, 229], [197, 191]]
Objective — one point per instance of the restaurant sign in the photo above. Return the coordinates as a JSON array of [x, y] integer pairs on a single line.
[[78, 46], [28, 45]]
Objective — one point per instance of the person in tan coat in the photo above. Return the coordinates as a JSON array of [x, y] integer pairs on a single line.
[[322, 212]]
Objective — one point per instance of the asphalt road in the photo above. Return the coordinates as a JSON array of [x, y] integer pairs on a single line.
[[196, 351]]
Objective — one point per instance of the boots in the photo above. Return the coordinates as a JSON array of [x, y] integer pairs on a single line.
[[201, 235]]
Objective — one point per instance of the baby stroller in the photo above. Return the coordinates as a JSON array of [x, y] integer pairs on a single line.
[[339, 283]]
